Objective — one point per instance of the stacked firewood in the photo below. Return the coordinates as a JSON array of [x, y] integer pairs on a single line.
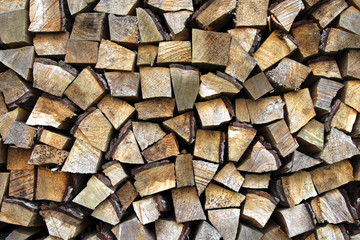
[[180, 119]]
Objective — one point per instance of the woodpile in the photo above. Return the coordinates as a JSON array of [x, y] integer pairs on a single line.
[[174, 120]]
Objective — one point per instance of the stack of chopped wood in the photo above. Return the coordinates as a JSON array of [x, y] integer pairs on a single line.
[[168, 119]]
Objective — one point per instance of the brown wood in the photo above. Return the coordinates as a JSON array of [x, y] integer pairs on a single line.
[[112, 56], [154, 177], [89, 26], [209, 145], [256, 181], [131, 228], [3, 108], [51, 76], [149, 209], [22, 184], [265, 110], [4, 184], [277, 46], [156, 109], [335, 40], [76, 6], [169, 228], [14, 31], [155, 82], [44, 155], [272, 231], [349, 96], [20, 135], [7, 119], [81, 52], [298, 161], [330, 230], [240, 136], [127, 194], [284, 13], [170, 5], [326, 178], [146, 55], [257, 86], [165, 148], [115, 172], [205, 231], [122, 7], [296, 220], [124, 84], [204, 173], [54, 139], [17, 159], [147, 133], [124, 29], [241, 110], [230, 177], [341, 117], [23, 233], [247, 232], [213, 113], [217, 55], [174, 52], [328, 11], [249, 38], [150, 28], [347, 64], [184, 171], [226, 221], [183, 125], [214, 86], [324, 67], [311, 137], [219, 197], [83, 158], [251, 14], [348, 20], [109, 211], [177, 24]]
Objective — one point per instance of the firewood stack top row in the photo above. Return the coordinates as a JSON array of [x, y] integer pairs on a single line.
[[172, 120]]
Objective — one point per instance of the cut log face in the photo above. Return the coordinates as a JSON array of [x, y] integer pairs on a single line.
[[146, 55], [165, 148], [76, 6], [13, 87], [124, 84], [168, 228], [298, 161], [209, 145], [337, 40], [349, 95], [21, 135], [22, 184], [150, 28], [258, 86], [147, 133], [328, 11], [214, 86], [115, 172], [204, 173], [214, 112], [183, 125], [176, 23], [241, 110], [7, 119], [83, 158], [240, 137], [283, 14], [247, 37], [347, 64], [230, 177], [265, 110], [226, 221], [247, 232], [89, 26], [348, 20], [289, 219], [156, 109], [324, 67], [272, 231], [81, 52], [205, 231], [127, 194], [155, 82], [124, 29], [184, 171], [311, 137], [109, 211], [131, 228], [147, 209], [24, 233], [4, 184], [46, 155], [122, 7], [341, 117], [174, 52], [326, 178], [251, 14], [219, 197], [54, 139], [154, 177], [17, 159], [51, 44], [256, 181], [171, 5], [329, 231]]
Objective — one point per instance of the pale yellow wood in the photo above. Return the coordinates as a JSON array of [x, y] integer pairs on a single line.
[[176, 22], [51, 44], [213, 113], [284, 13], [219, 197], [171, 5], [251, 14], [174, 52], [328, 11], [213, 86], [226, 221], [118, 7], [155, 82], [204, 173], [265, 110], [55, 139], [256, 181]]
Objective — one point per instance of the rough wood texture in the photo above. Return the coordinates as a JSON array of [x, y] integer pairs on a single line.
[[146, 55], [171, 5], [210, 49], [22, 184], [183, 125], [241, 110], [52, 111], [20, 135], [348, 63], [17, 159], [311, 137], [7, 119], [155, 82], [349, 20], [23, 233], [256, 181], [214, 86], [46, 155], [336, 40], [204, 173], [165, 148], [169, 228], [4, 184], [118, 7], [76, 6], [112, 56], [330, 231], [324, 67], [184, 171], [126, 194], [156, 109], [226, 221], [174, 52], [83, 158], [326, 178], [176, 23], [209, 145], [257, 86], [124, 29], [307, 34], [115, 172], [265, 110], [272, 231], [341, 117], [54, 139], [154, 177], [251, 14], [81, 52], [147, 133], [219, 197], [149, 209], [284, 13], [240, 136], [150, 28], [89, 26], [214, 112], [124, 84], [277, 46], [131, 228], [328, 11], [109, 211], [349, 96], [249, 38], [185, 82], [205, 231]]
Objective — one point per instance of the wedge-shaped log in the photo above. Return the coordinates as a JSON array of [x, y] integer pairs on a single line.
[[109, 211], [324, 66], [171, 5], [76, 6], [124, 29], [147, 54], [22, 184], [147, 133], [251, 14], [21, 135], [298, 161], [124, 84], [89, 26], [209, 145], [311, 137], [347, 64], [328, 11], [240, 136], [20, 60], [257, 86], [204, 173], [284, 13], [349, 95], [230, 177], [131, 228], [150, 28], [126, 194], [81, 52], [122, 7], [54, 139], [341, 117], [214, 86], [165, 148], [174, 52], [214, 112], [169, 228], [256, 181], [45, 155], [155, 82], [226, 221], [177, 24], [265, 110], [183, 125], [115, 172], [205, 230], [219, 197], [184, 171], [149, 209], [335, 40]]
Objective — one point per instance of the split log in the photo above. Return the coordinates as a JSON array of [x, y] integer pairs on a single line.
[[205, 231], [51, 44], [122, 7], [21, 135], [328, 11], [210, 49], [324, 67], [284, 13], [341, 117], [24, 233], [177, 24], [7, 119], [20, 212], [349, 95], [76, 6], [184, 171], [279, 136], [124, 148], [147, 133], [348, 20], [112, 56], [3, 107], [44, 155], [117, 111], [165, 148], [185, 82], [17, 159], [247, 232], [115, 172], [54, 139], [288, 75], [131, 228], [126, 194], [171, 5], [174, 52], [149, 209], [331, 231], [10, 5], [56, 186], [298, 115], [322, 93], [265, 110], [22, 184], [97, 189], [183, 125], [146, 55], [219, 197], [83, 158], [333, 207], [289, 219], [230, 177], [81, 52], [311, 137], [124, 30], [335, 40], [3, 151], [154, 177], [214, 112], [169, 228], [156, 109], [258, 86], [241, 110], [150, 28], [249, 38], [89, 26], [277, 46], [64, 221], [155, 82], [339, 146], [240, 136], [256, 181], [298, 161], [109, 211], [326, 178], [214, 15], [20, 60], [307, 34], [258, 208], [48, 16], [89, 125], [272, 231], [52, 111], [347, 64], [294, 188], [52, 77], [251, 14], [259, 158], [4, 184], [356, 128], [124, 84], [14, 30], [204, 173], [209, 145], [214, 86], [226, 221]]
